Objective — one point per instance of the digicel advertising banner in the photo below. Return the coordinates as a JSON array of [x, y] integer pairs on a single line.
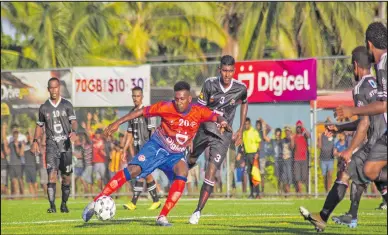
[[278, 81]]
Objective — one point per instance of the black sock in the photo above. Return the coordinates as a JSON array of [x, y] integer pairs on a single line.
[[206, 190], [356, 191], [257, 190], [336, 194], [65, 192], [151, 187], [137, 191], [51, 189], [382, 187]]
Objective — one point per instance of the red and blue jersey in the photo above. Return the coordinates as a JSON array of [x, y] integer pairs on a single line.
[[178, 129]]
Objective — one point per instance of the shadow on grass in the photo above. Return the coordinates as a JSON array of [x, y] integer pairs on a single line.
[[115, 222]]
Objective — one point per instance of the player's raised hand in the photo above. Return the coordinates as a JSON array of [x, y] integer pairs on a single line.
[[112, 128], [343, 112], [226, 126]]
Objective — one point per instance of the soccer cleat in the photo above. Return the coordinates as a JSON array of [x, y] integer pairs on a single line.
[[314, 219], [162, 221], [129, 206], [52, 209], [155, 205], [383, 206], [194, 219], [346, 220], [88, 212], [64, 208]]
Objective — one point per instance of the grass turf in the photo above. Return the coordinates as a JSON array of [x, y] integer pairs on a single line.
[[220, 216]]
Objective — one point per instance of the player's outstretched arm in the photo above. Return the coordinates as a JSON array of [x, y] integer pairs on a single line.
[[351, 126], [377, 107], [112, 128], [359, 137]]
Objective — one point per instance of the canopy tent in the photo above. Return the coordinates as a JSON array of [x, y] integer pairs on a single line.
[[334, 100]]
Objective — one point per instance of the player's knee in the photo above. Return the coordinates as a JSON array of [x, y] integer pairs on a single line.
[[370, 172], [134, 170]]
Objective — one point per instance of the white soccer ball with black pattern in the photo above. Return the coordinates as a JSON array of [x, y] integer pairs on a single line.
[[105, 208]]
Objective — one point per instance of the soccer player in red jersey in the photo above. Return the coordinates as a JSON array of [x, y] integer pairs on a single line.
[[165, 149]]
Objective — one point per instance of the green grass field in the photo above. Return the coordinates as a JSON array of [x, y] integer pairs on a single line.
[[221, 216]]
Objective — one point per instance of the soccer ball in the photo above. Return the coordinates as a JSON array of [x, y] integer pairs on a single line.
[[105, 208]]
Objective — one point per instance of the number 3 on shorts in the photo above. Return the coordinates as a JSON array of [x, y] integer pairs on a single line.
[[218, 158]]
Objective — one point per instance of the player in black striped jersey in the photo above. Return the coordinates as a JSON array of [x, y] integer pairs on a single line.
[[57, 116], [138, 133], [222, 94], [376, 40]]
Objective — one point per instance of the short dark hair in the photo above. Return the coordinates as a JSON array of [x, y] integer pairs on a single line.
[[361, 56], [247, 119], [137, 88], [121, 135], [227, 60], [278, 130], [181, 85], [53, 79], [376, 33]]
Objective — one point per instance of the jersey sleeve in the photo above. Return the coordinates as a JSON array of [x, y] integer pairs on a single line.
[[382, 84], [205, 94], [208, 115], [151, 123], [41, 117], [153, 110], [244, 96], [70, 112]]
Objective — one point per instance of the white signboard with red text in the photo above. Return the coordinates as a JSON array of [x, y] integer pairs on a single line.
[[109, 86], [278, 80]]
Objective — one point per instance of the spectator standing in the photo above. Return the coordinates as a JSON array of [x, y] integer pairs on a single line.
[[301, 165], [4, 161], [326, 157], [263, 129], [251, 141], [87, 152], [99, 156], [240, 168], [30, 167], [287, 160], [16, 149], [78, 161]]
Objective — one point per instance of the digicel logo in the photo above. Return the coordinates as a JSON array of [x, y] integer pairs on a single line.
[[284, 82]]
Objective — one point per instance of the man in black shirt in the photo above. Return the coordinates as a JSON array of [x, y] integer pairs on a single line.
[[57, 116], [138, 133], [222, 94], [371, 127]]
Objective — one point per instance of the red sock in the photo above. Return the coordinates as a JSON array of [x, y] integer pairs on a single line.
[[115, 183], [174, 194]]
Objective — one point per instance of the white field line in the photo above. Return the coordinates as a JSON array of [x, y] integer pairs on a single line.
[[176, 216]]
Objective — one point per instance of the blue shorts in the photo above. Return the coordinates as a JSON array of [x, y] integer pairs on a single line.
[[153, 155], [327, 165]]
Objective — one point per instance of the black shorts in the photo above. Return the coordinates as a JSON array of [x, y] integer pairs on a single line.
[[356, 166], [15, 171], [30, 173], [378, 151], [218, 147], [56, 160]]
